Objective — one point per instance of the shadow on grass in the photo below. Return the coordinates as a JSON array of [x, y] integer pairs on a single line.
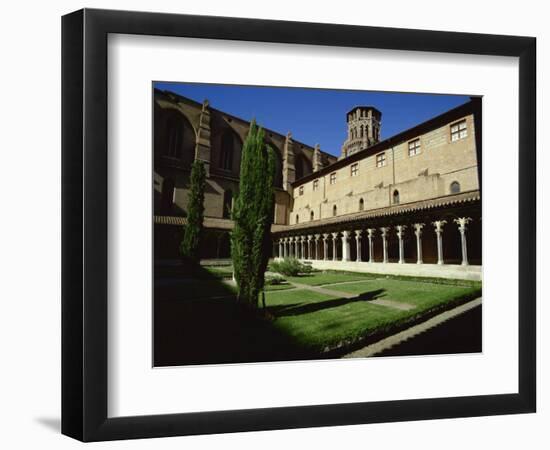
[[305, 308], [191, 330]]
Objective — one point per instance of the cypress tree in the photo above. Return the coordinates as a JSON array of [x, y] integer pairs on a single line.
[[252, 216], [189, 246]]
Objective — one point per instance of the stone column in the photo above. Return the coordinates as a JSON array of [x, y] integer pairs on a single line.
[[334, 253], [438, 224], [462, 223], [295, 247], [303, 254], [310, 247], [280, 248], [400, 231], [358, 244], [345, 246], [316, 247], [325, 246], [418, 232], [370, 235], [384, 231]]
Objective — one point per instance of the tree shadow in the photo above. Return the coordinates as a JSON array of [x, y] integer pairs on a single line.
[[305, 308]]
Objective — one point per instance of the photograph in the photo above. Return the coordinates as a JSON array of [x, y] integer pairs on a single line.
[[293, 223]]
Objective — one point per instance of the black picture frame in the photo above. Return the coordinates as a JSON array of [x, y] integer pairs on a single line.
[[84, 224]]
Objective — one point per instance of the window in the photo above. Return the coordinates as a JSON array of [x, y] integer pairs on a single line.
[[311, 215], [333, 178], [301, 190], [396, 197], [381, 159], [297, 218], [315, 185], [414, 147], [455, 187], [458, 131], [334, 210], [355, 169], [226, 159], [361, 204], [167, 195], [175, 138], [227, 203]]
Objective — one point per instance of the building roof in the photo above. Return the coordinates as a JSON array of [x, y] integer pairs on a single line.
[[422, 205], [365, 107], [428, 125]]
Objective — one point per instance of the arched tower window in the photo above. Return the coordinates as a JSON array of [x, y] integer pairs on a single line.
[[167, 196], [311, 215], [226, 156], [227, 203], [361, 131], [361, 204], [297, 218], [334, 210], [396, 197], [455, 187]]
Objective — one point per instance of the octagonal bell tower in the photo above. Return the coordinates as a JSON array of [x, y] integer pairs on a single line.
[[363, 129]]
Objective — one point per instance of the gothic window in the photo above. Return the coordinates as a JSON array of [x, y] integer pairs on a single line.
[[297, 218], [361, 204], [455, 187], [227, 203], [381, 159], [334, 210], [167, 195], [361, 132], [226, 157], [414, 147], [175, 137], [459, 130], [396, 197], [311, 215]]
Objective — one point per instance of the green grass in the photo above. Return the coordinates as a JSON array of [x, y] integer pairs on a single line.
[[321, 278], [321, 323], [278, 287]]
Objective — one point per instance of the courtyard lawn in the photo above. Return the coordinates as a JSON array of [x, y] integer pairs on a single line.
[[319, 323], [321, 278]]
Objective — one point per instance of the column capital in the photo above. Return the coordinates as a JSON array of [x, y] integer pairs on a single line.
[[358, 233], [345, 234], [384, 231], [317, 236], [400, 230], [334, 235], [418, 228], [325, 236], [438, 224], [309, 237], [371, 232], [462, 223], [303, 238]]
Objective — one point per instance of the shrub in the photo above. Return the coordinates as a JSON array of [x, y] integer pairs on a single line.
[[290, 267], [189, 246], [274, 279]]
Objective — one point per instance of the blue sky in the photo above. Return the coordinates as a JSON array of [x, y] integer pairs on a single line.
[[316, 115]]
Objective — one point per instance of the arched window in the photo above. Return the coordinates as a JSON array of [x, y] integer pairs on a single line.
[[361, 204], [297, 218], [227, 203], [167, 196], [396, 197], [334, 210], [455, 187], [311, 215], [361, 132], [226, 156], [174, 132]]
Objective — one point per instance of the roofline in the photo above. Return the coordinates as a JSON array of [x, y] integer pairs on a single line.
[[165, 92], [469, 107]]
